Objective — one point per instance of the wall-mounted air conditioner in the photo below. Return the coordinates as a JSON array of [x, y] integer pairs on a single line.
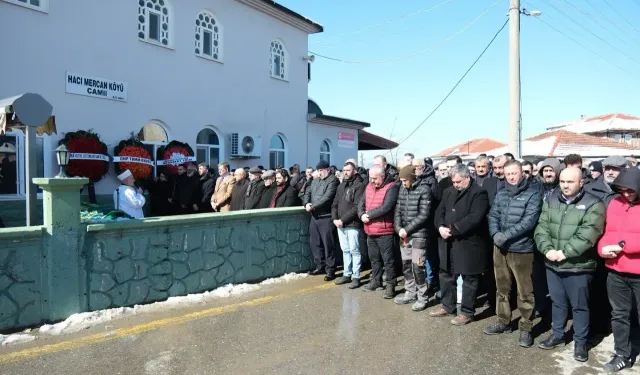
[[246, 145]]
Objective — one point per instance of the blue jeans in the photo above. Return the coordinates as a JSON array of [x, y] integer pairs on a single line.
[[350, 251]]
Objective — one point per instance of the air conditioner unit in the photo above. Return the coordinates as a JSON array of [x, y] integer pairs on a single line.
[[246, 145]]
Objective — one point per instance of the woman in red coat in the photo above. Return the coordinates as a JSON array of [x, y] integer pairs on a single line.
[[620, 246]]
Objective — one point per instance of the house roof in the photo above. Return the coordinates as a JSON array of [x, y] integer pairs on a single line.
[[370, 141], [601, 123], [316, 26], [562, 142], [474, 146]]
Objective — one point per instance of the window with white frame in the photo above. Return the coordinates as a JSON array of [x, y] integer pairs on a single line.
[[278, 60], [208, 147], [208, 41], [41, 5], [153, 21], [13, 162], [153, 136], [628, 138], [325, 151], [277, 152]]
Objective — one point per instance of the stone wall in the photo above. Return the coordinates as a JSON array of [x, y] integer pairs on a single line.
[[145, 261], [21, 264], [138, 261]]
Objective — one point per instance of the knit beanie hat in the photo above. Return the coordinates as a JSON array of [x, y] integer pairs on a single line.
[[408, 173], [596, 166]]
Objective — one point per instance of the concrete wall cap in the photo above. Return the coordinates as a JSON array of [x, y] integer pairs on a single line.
[[186, 220]]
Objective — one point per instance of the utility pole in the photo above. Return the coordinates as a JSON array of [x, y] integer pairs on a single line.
[[514, 79]]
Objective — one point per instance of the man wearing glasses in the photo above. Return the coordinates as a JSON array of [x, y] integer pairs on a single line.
[[527, 168]]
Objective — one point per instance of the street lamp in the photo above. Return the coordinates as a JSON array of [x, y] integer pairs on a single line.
[[62, 154], [533, 13]]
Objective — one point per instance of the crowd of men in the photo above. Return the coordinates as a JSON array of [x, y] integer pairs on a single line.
[[197, 189], [562, 236]]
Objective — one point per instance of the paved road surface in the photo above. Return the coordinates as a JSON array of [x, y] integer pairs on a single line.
[[303, 327]]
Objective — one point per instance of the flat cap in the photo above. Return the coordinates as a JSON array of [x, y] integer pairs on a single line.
[[615, 161]]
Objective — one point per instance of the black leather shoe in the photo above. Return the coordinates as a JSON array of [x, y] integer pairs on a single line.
[[526, 339], [329, 277], [316, 271], [580, 353], [551, 342], [496, 329]]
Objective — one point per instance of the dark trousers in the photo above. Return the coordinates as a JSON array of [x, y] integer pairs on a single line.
[[569, 289], [520, 266], [540, 288], [381, 253], [449, 287], [323, 244], [624, 290]]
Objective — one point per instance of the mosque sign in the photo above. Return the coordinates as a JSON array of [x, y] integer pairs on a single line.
[[96, 87]]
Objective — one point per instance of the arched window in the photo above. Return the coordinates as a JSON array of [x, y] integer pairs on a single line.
[[153, 21], [208, 41], [325, 151], [153, 136], [208, 147], [277, 152], [278, 60], [41, 5]]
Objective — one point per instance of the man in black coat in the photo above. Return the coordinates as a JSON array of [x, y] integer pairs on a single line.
[[317, 201], [461, 219], [496, 182], [344, 213], [254, 190], [451, 162], [269, 179], [425, 174], [512, 220], [239, 190], [410, 222], [206, 184], [186, 190], [285, 194]]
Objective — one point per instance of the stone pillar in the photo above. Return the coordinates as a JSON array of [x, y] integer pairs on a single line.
[[63, 286]]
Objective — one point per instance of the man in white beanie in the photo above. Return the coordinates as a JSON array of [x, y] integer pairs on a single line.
[[127, 198]]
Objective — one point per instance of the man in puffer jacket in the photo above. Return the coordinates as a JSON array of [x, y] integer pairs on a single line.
[[620, 247], [426, 175], [410, 222], [571, 222], [344, 213], [512, 220]]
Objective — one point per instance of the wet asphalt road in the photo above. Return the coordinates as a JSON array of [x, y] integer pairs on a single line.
[[321, 331]]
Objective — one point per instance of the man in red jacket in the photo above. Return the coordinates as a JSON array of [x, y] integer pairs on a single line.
[[620, 246], [376, 211]]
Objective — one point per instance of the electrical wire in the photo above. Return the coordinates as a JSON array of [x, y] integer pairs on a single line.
[[594, 20], [420, 11], [415, 53], [569, 5], [583, 46], [618, 13], [456, 85], [590, 32]]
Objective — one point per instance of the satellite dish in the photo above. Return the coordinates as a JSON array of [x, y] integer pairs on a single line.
[[247, 144]]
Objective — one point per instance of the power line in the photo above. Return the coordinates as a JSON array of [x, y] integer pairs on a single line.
[[420, 11], [618, 13], [583, 46], [594, 20], [456, 85], [415, 53], [590, 32], [569, 5]]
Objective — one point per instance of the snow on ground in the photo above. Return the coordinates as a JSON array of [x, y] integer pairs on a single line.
[[16, 338], [81, 321], [602, 353]]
